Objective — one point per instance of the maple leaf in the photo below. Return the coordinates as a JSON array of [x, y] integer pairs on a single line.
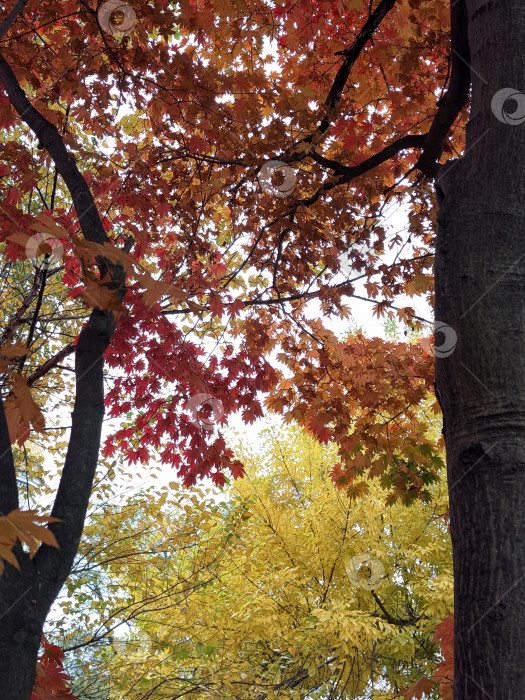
[[98, 296], [421, 687], [21, 239], [14, 351], [444, 673], [52, 682], [21, 410], [26, 527], [46, 224]]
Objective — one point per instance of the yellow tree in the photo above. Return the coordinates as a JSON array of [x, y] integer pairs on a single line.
[[286, 589]]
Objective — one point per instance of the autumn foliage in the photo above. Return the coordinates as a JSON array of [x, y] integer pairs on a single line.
[[262, 591], [52, 683], [137, 212], [25, 527], [211, 250]]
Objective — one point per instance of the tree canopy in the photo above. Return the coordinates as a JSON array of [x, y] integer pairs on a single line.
[[171, 124], [195, 194]]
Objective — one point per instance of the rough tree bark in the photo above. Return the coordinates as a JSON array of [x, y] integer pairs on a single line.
[[480, 294]]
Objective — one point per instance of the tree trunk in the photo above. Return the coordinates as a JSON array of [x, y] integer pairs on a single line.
[[480, 294], [21, 629], [26, 596]]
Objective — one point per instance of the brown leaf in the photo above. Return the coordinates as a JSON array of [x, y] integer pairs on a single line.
[[17, 350]]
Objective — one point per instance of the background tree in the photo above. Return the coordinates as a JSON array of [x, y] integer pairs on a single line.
[[262, 595]]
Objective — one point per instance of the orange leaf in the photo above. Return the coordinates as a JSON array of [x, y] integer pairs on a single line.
[[46, 224], [421, 687], [24, 526], [95, 294], [20, 238], [17, 350], [21, 411]]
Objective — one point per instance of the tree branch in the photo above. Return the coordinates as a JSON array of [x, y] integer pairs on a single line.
[[8, 22], [49, 137], [353, 52], [456, 96], [17, 321], [80, 465], [388, 617], [8, 487], [351, 172], [52, 362], [351, 55]]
